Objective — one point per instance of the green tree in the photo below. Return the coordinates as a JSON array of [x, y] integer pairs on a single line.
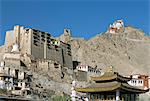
[[3, 91], [61, 98]]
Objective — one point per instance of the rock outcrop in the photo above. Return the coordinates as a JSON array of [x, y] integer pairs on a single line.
[[127, 52]]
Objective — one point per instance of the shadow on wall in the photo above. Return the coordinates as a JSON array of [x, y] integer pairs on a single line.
[[75, 64]]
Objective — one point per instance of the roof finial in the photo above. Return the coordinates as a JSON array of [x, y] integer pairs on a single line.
[[110, 69]]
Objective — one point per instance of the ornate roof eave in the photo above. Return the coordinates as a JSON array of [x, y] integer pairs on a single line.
[[112, 87], [103, 78], [110, 76], [120, 77], [90, 90], [127, 87]]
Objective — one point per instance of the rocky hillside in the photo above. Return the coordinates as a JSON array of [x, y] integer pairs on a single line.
[[128, 52]]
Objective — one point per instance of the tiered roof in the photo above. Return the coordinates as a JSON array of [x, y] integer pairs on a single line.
[[110, 81], [111, 76]]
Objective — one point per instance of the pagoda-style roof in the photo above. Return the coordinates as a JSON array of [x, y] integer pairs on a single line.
[[111, 76], [110, 82], [110, 87], [99, 87]]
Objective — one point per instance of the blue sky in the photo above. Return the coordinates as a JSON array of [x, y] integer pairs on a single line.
[[85, 18]]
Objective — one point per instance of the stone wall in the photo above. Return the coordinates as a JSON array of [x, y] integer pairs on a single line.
[[40, 45], [81, 76]]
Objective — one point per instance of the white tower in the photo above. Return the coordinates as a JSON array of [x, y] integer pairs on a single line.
[[15, 48], [73, 92], [2, 64]]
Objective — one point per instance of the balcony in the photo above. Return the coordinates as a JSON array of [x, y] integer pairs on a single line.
[[43, 39], [36, 37]]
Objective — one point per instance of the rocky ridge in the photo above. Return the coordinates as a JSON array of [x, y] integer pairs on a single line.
[[127, 52]]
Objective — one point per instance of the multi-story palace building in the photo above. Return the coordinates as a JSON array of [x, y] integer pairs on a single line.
[[39, 44]]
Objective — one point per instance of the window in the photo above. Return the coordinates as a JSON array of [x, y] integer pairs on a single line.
[[43, 39], [132, 81], [67, 31], [9, 71], [56, 65], [139, 81], [63, 57], [43, 35]]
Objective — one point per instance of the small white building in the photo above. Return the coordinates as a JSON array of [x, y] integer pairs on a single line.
[[14, 80], [89, 71], [140, 81], [6, 81], [116, 27]]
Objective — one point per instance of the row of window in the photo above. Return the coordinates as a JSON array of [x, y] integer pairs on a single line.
[[137, 81], [42, 35], [94, 71], [37, 31], [90, 70], [49, 47]]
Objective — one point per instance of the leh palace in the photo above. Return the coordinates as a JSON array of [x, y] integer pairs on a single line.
[[35, 66]]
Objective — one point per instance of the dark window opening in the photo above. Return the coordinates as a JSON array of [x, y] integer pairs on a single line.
[[48, 41], [16, 73], [56, 65], [129, 57], [69, 48], [75, 64], [62, 76], [17, 88], [27, 29], [67, 31], [28, 92], [35, 44], [35, 30], [49, 47], [35, 37], [48, 37], [35, 41], [43, 36], [48, 34], [43, 39], [22, 64], [9, 71], [63, 58]]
